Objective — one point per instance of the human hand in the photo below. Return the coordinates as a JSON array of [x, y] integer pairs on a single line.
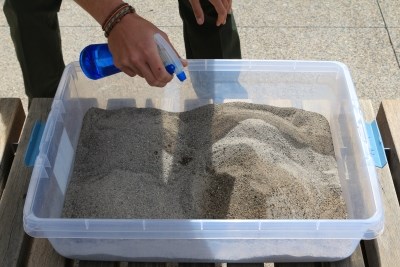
[[135, 52], [223, 7]]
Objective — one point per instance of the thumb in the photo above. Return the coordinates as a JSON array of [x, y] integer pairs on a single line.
[[197, 10]]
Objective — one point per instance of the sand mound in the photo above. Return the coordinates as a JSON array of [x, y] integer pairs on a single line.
[[234, 160]]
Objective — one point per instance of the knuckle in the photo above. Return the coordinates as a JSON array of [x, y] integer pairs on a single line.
[[162, 84], [147, 53], [151, 81], [124, 62], [133, 60], [164, 76], [118, 63], [168, 78], [223, 13]]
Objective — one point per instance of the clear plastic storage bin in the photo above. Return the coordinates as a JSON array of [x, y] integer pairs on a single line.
[[323, 87]]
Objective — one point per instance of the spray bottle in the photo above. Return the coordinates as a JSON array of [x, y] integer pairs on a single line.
[[96, 60]]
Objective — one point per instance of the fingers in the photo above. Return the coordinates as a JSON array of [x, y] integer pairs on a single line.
[[148, 65], [128, 71], [184, 62], [150, 68], [226, 4], [221, 8], [198, 11], [229, 9], [154, 71], [149, 76]]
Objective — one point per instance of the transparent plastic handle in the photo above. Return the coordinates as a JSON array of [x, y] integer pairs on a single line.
[[170, 59]]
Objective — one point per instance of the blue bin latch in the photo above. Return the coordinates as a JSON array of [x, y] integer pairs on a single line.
[[377, 149], [34, 141]]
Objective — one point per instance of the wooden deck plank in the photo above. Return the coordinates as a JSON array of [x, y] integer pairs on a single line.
[[388, 119], [146, 264], [13, 240], [355, 260], [296, 264], [245, 265], [98, 264], [195, 264], [385, 250], [12, 117], [41, 253]]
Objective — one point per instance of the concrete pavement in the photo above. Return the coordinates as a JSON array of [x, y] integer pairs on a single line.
[[363, 34]]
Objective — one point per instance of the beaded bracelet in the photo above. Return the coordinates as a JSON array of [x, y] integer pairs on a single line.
[[115, 16], [112, 13]]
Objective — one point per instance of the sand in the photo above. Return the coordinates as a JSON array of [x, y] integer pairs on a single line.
[[223, 161]]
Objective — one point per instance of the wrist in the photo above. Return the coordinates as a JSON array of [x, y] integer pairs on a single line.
[[115, 17], [99, 9]]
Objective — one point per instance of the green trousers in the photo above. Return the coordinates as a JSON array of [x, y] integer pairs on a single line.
[[36, 35], [35, 32], [208, 41]]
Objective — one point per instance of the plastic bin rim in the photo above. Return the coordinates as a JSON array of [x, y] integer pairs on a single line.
[[246, 64], [244, 60], [376, 219], [335, 229]]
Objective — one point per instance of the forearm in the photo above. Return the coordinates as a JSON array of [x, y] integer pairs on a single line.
[[99, 9]]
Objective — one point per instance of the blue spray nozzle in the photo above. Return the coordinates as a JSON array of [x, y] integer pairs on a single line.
[[96, 60], [181, 76]]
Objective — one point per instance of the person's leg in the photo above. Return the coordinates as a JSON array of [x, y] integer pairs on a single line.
[[208, 41], [36, 35]]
